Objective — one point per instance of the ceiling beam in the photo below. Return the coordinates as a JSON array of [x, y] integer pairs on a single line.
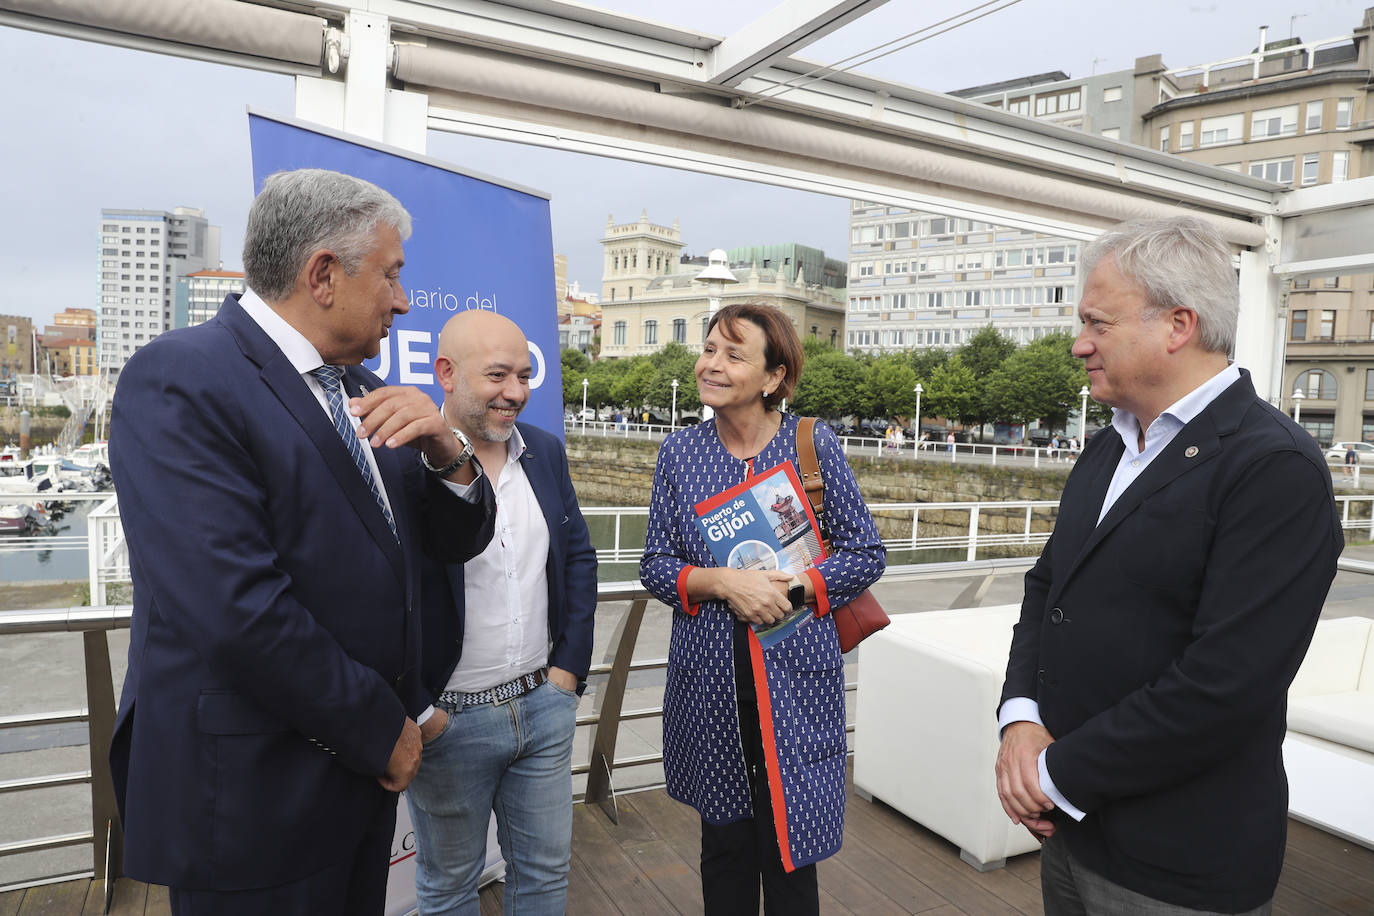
[[780, 32]]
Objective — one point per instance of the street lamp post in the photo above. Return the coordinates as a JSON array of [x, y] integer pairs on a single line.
[[584, 407], [672, 421], [916, 431], [1297, 405], [715, 276], [1083, 416]]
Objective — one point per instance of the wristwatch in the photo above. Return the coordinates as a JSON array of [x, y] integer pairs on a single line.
[[796, 593], [464, 455]]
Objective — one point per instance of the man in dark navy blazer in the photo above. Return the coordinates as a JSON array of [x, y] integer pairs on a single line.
[[507, 644], [276, 500], [1144, 707]]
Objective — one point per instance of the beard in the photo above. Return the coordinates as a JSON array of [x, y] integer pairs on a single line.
[[475, 416]]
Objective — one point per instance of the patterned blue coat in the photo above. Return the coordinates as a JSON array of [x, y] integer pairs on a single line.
[[801, 705]]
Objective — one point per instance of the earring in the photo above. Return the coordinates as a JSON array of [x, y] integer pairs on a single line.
[[765, 392]]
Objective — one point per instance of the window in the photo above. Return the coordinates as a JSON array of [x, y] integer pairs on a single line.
[[1340, 166], [1318, 384], [620, 333], [1331, 282], [1222, 129], [937, 226], [1019, 106], [1164, 139], [680, 330], [1058, 102], [1112, 133], [1297, 329], [705, 327], [1310, 164], [1314, 116], [1185, 135], [1369, 385], [1111, 94], [651, 331], [1343, 108], [1274, 122], [1276, 170], [1328, 325]]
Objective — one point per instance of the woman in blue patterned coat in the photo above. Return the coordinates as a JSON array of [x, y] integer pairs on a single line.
[[754, 738]]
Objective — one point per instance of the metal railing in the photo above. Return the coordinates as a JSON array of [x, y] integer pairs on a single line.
[[608, 710]]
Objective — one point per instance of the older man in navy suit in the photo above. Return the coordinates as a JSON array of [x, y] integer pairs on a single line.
[[507, 647], [1143, 711], [275, 509]]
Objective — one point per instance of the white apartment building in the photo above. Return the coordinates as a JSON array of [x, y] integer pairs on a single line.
[[923, 280], [142, 255], [200, 294]]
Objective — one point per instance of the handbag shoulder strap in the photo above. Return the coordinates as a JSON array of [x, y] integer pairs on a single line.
[[812, 481]]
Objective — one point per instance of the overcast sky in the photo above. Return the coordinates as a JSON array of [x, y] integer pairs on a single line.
[[88, 126]]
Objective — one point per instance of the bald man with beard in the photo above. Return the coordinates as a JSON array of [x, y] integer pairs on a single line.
[[507, 645]]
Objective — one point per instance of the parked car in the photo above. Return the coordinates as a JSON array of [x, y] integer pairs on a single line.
[[1336, 453]]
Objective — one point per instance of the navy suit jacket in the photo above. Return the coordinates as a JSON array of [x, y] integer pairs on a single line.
[[275, 641], [1160, 644], [570, 570]]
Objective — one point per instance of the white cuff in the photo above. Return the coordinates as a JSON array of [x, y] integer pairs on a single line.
[[465, 491], [1048, 787], [423, 717], [1018, 709]]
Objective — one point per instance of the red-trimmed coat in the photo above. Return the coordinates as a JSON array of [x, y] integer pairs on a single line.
[[799, 681]]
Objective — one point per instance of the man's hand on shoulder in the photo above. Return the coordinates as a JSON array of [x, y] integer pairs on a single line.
[[405, 759], [1018, 776]]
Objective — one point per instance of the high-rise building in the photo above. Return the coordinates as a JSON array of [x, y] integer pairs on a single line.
[[200, 294], [142, 254], [922, 280]]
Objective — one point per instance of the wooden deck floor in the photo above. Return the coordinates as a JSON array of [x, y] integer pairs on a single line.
[[648, 865]]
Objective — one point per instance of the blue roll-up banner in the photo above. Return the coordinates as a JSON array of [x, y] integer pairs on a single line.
[[477, 243]]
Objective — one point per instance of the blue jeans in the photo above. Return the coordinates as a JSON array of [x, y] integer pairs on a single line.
[[515, 759]]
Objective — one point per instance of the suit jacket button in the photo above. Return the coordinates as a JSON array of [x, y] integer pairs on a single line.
[[1040, 675], [1057, 616]]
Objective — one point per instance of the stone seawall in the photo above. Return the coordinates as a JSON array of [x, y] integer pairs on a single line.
[[42, 429], [619, 472]]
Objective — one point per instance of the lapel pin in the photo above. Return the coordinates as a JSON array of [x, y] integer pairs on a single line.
[[1190, 452]]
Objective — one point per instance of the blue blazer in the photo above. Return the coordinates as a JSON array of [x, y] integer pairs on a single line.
[[1160, 643], [570, 570], [275, 649]]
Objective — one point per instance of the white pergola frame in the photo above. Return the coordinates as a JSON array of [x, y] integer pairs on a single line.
[[565, 76]]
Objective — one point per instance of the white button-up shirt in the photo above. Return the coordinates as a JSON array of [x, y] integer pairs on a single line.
[[505, 588]]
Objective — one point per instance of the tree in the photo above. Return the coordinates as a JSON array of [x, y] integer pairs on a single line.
[[951, 392], [674, 361], [602, 378], [985, 353], [1040, 381], [829, 385], [632, 388], [575, 369], [889, 388]]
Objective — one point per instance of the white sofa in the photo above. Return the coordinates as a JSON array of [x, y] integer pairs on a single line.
[[1329, 749], [925, 736], [925, 733]]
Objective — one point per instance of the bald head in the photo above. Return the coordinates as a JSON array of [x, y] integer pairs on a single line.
[[484, 368]]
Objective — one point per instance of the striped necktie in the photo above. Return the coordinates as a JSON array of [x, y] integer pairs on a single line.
[[331, 380]]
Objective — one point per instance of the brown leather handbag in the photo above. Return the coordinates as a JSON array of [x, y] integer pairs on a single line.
[[863, 616]]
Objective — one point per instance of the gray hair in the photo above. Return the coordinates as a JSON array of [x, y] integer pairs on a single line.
[[298, 213], [1180, 262]]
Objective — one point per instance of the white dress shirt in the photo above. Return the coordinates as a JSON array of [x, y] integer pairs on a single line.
[[1134, 461], [505, 588]]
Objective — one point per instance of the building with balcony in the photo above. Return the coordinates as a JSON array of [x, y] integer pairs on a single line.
[[1299, 114]]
